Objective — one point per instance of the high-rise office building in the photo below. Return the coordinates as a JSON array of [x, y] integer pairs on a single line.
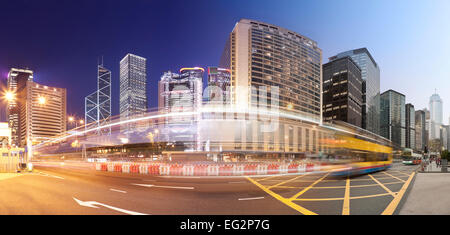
[[393, 117], [410, 126], [181, 93], [370, 73], [43, 113], [445, 137], [342, 91], [264, 55], [133, 88], [420, 130], [436, 117], [17, 81], [218, 84], [98, 104]]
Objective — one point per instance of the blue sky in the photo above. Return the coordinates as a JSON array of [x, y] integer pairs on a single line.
[[61, 40]]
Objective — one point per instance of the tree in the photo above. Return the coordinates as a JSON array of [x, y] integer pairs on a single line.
[[445, 155]]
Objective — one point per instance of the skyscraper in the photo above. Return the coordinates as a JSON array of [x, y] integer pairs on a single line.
[[370, 73], [133, 88], [392, 115], [420, 130], [342, 91], [181, 93], [17, 81], [410, 126], [43, 115], [435, 116], [261, 54], [98, 104], [218, 80]]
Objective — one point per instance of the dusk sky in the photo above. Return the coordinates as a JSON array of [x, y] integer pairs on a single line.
[[61, 41]]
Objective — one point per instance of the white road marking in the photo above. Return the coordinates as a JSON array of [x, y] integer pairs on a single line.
[[94, 204], [54, 176], [116, 190], [250, 198], [161, 186]]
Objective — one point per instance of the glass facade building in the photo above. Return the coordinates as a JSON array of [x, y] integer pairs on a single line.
[[435, 116], [370, 73], [218, 84], [98, 104], [410, 126], [17, 82], [264, 55], [180, 93], [393, 117], [133, 87], [420, 130], [342, 91]]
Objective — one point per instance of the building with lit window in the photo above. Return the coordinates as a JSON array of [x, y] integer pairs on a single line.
[[264, 55], [133, 88], [181, 93], [17, 81], [218, 84], [393, 117], [342, 91], [410, 126], [370, 73], [43, 113], [98, 104]]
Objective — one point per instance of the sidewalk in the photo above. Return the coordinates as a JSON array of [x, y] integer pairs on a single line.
[[428, 195], [4, 176]]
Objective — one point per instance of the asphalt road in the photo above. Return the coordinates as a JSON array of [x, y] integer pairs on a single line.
[[65, 190]]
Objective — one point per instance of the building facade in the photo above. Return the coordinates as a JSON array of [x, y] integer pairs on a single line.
[[410, 126], [420, 130], [43, 113], [393, 117], [286, 63], [342, 91], [218, 85], [181, 94], [435, 106], [370, 73], [133, 88], [17, 82], [98, 104]]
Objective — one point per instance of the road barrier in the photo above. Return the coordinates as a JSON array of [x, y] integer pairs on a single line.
[[212, 169]]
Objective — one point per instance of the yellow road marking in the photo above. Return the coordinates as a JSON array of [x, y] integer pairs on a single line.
[[336, 199], [273, 176], [394, 203], [394, 176], [282, 199], [346, 205], [369, 196], [309, 187], [310, 181], [276, 185], [335, 187], [382, 185]]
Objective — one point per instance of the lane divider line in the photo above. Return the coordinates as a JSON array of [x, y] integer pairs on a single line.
[[250, 198], [116, 190], [161, 186]]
